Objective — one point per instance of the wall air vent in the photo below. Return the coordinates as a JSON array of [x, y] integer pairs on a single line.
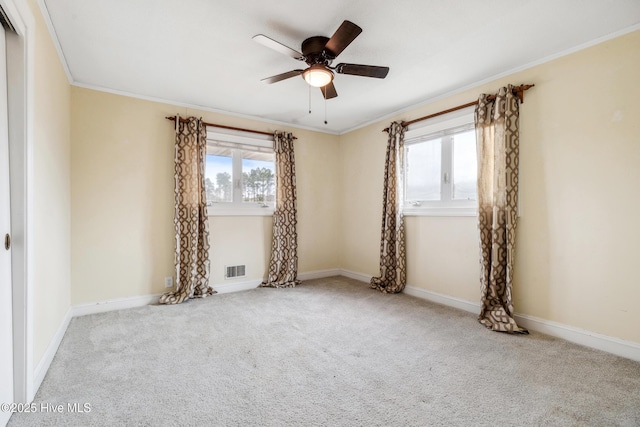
[[233, 271]]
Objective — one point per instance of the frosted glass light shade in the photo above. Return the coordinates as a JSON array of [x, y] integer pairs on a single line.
[[317, 75]]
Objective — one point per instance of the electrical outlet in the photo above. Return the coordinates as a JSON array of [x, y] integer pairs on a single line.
[[168, 282]]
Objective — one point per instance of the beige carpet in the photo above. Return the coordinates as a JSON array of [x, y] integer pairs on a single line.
[[330, 352]]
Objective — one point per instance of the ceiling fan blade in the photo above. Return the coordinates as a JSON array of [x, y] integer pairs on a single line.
[[283, 76], [362, 70], [278, 47], [329, 91], [344, 35]]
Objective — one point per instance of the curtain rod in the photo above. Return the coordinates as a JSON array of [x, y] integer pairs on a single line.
[[517, 90], [173, 119]]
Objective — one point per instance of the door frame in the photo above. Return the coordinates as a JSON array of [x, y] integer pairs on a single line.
[[20, 85]]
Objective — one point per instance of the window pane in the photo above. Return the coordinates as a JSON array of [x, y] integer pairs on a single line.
[[218, 177], [258, 177], [423, 171], [465, 166]]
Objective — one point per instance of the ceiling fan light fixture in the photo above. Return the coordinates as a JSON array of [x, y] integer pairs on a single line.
[[317, 75]]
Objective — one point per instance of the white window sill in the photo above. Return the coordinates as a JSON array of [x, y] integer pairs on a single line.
[[240, 211], [440, 211]]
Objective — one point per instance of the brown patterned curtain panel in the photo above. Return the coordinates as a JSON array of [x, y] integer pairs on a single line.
[[392, 278], [497, 137], [283, 266], [190, 218]]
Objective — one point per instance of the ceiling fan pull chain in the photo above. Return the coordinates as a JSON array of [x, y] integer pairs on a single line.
[[309, 99], [325, 105]]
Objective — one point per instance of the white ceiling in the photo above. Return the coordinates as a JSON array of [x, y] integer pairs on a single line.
[[200, 53]]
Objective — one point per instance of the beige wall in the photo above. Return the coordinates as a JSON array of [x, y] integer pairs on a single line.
[[578, 232], [122, 200], [121, 192], [51, 190]]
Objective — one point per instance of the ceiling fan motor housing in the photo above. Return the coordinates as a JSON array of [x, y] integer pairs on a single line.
[[314, 51]]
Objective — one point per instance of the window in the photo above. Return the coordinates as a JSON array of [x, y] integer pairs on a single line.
[[440, 167], [240, 175]]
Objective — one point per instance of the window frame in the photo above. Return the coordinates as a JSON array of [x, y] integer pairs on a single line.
[[445, 125], [239, 141]]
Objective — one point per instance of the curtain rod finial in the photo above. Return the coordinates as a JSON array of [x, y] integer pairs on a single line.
[[520, 91]]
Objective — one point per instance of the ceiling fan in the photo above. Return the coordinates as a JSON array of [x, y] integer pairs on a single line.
[[319, 52]]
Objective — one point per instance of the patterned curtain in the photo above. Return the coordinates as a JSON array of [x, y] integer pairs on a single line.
[[497, 141], [283, 267], [190, 217], [392, 277]]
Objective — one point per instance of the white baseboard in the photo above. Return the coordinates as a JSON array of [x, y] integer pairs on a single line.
[[114, 304], [356, 276], [628, 349], [222, 288], [319, 274], [447, 300], [52, 349], [225, 288]]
